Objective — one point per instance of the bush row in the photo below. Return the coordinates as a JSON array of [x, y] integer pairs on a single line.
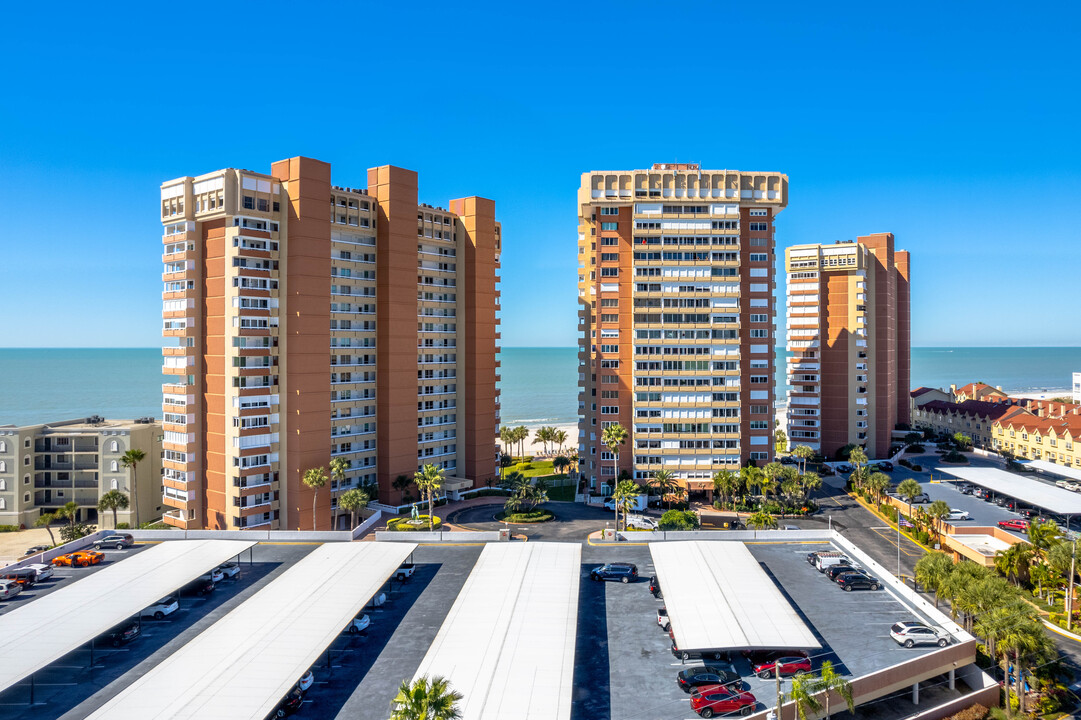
[[402, 524], [530, 516]]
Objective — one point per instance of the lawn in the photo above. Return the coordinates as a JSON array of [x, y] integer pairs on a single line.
[[539, 468]]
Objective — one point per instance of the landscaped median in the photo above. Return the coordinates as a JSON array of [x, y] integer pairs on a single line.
[[404, 524], [538, 515]]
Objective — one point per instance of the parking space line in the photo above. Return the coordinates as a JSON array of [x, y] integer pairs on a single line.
[[892, 541]]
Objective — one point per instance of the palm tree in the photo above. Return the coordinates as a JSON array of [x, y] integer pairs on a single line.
[[513, 503], [507, 437], [70, 512], [352, 500], [909, 489], [1044, 535], [625, 495], [1014, 561], [543, 435], [877, 484], [338, 468], [664, 482], [521, 434], [429, 479], [933, 572], [559, 437], [131, 460], [426, 699], [1042, 575], [401, 483], [751, 477], [810, 481], [113, 500], [761, 521], [45, 520], [1063, 558], [613, 437], [315, 478], [804, 691], [937, 511], [780, 440], [830, 681], [803, 453], [725, 483], [560, 463], [505, 461]]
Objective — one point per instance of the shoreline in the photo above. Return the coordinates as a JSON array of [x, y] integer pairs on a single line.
[[530, 449]]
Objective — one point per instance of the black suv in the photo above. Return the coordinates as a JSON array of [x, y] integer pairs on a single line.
[[199, 587], [884, 466], [654, 586], [857, 581], [623, 572], [708, 675], [843, 568], [122, 634]]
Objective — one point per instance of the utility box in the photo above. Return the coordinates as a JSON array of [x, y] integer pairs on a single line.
[[504, 534], [609, 535]]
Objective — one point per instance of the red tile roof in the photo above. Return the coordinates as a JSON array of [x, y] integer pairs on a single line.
[[921, 390], [972, 408]]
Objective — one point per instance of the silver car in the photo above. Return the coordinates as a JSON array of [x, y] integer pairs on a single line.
[[910, 634]]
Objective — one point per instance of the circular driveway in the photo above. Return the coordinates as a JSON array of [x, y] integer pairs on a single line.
[[572, 523]]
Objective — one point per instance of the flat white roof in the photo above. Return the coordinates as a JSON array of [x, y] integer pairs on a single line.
[[1054, 468], [983, 544], [718, 597], [508, 642], [1034, 492], [244, 664], [49, 627]]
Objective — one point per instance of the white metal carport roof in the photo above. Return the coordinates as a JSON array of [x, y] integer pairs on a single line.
[[1054, 468], [1028, 490], [508, 642], [242, 665], [719, 598], [49, 627]]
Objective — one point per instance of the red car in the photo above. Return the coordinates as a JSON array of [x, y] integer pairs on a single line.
[[713, 700], [793, 664], [1013, 524]]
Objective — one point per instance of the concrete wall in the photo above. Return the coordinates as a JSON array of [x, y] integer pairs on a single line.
[[448, 536], [368, 523], [251, 535], [47, 556], [740, 535]]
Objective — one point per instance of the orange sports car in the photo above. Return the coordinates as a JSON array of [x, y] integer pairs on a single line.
[[79, 558]]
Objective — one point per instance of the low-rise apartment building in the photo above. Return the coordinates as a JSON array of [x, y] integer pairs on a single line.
[[978, 391], [971, 417], [1029, 437], [44, 467]]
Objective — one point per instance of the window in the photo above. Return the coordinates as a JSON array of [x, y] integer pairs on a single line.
[[249, 202], [113, 466], [26, 460], [264, 205], [114, 485], [759, 409], [609, 211], [759, 226], [759, 425], [759, 318], [759, 333], [3, 446], [759, 212], [609, 226], [759, 257], [3, 468], [114, 446], [3, 484], [3, 504], [759, 379]]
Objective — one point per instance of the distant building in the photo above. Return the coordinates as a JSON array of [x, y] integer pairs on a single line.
[[44, 467], [977, 391], [971, 417], [1029, 437], [1077, 388], [849, 342]]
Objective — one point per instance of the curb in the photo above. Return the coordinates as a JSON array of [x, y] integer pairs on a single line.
[[1059, 631], [886, 520]]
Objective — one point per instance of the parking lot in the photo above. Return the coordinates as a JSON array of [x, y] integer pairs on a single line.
[[624, 667]]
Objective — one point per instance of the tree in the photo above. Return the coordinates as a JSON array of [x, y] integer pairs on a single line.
[[877, 484], [1063, 558], [507, 438], [909, 489], [505, 461], [1044, 535], [131, 460], [751, 476], [827, 681], [933, 572], [613, 437], [804, 691], [429, 479], [912, 438], [543, 435], [625, 495], [113, 500], [962, 441], [810, 481], [938, 511], [338, 468], [69, 512], [352, 500], [678, 520], [761, 521], [315, 478], [1014, 561], [45, 520], [858, 458], [780, 440], [513, 503], [725, 483], [426, 699], [664, 482], [401, 483], [803, 453], [561, 463], [521, 434], [559, 437]]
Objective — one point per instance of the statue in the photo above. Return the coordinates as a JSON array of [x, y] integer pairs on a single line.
[[414, 515]]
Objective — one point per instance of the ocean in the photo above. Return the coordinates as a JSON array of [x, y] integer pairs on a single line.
[[537, 386]]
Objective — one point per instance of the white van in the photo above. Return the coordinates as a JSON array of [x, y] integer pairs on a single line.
[[44, 572], [828, 560], [641, 522]]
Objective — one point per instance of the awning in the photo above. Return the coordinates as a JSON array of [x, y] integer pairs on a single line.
[[718, 597]]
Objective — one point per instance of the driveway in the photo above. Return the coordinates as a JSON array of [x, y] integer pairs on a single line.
[[572, 523]]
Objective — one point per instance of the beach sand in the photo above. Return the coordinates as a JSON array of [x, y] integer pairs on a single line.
[[531, 449], [1042, 395]]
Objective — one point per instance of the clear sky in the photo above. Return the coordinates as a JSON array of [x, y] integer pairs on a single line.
[[953, 125]]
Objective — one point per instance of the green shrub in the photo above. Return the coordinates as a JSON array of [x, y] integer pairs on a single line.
[[527, 466], [123, 526], [954, 457], [917, 467], [402, 524], [915, 449], [491, 492], [923, 537], [76, 531], [156, 525], [9, 528], [530, 516], [679, 520], [973, 712]]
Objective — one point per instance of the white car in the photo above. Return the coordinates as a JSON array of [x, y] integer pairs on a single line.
[[163, 607], [957, 514], [215, 576], [378, 600], [642, 522], [914, 633], [662, 618], [229, 570], [43, 572], [9, 589], [1063, 483], [1073, 486], [359, 624], [305, 682]]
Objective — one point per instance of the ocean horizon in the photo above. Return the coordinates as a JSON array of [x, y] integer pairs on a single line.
[[537, 386]]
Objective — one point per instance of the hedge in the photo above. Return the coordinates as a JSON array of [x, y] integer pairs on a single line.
[[533, 516], [9, 528], [402, 524]]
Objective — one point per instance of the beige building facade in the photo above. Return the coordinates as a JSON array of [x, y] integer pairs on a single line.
[[44, 467], [849, 344], [307, 321], [676, 320]]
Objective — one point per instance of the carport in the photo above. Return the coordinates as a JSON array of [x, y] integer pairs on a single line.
[[1054, 469], [1033, 492], [48, 628], [508, 642], [719, 598], [245, 663]]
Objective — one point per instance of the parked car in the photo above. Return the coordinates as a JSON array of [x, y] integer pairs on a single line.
[[1000, 501], [289, 704], [828, 560], [642, 522], [9, 589], [787, 665], [835, 570], [696, 654], [719, 700], [24, 576], [44, 572], [229, 569], [122, 634], [623, 572], [921, 499], [789, 460], [662, 618], [654, 586], [405, 571], [958, 514], [1013, 524], [844, 468], [759, 657], [1026, 513], [378, 599], [1063, 484], [214, 576], [359, 624], [857, 581], [637, 505], [812, 556], [116, 540], [199, 586], [692, 678], [165, 606], [35, 549], [885, 466], [965, 488], [914, 633], [306, 681], [981, 493], [79, 558]]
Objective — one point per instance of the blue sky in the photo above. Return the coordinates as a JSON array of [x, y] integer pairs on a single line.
[[953, 125]]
